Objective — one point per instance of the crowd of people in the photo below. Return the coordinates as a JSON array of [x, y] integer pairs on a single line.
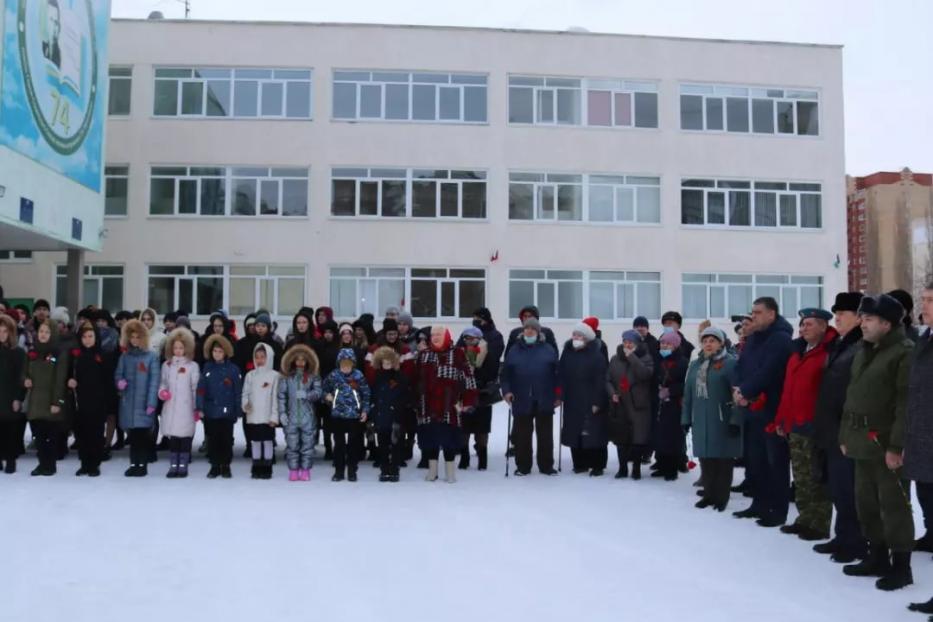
[[838, 418]]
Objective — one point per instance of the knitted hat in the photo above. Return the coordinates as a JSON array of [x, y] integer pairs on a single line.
[[345, 327], [712, 331], [389, 324], [532, 322], [632, 335], [473, 332], [346, 354], [404, 317], [592, 322], [392, 311], [671, 339], [41, 303], [884, 306], [586, 330], [263, 318], [640, 321], [847, 301]]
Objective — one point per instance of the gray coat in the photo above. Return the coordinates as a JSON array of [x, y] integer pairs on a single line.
[[712, 415], [629, 378], [918, 444]]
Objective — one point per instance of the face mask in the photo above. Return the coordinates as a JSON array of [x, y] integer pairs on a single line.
[[666, 353], [578, 344], [478, 323], [531, 340]]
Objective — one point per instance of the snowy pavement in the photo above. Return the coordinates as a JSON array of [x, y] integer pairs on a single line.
[[569, 548]]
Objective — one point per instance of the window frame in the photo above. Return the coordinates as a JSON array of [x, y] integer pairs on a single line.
[[721, 280], [755, 187], [92, 271], [586, 282], [109, 174], [9, 257], [752, 93], [120, 78]]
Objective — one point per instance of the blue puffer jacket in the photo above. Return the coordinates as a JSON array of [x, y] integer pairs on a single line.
[[351, 394], [220, 391], [530, 375], [761, 365], [140, 369]]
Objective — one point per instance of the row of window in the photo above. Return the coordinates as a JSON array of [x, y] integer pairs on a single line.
[[442, 293], [440, 97], [461, 194]]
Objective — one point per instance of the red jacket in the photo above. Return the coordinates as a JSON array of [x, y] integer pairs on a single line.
[[802, 383], [444, 381]]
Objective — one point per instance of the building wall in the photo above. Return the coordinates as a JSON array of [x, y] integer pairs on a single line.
[[321, 241]]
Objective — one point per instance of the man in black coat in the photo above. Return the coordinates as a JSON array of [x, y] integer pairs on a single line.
[[839, 471], [516, 334]]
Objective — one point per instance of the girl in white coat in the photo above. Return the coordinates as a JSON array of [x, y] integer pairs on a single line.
[[261, 409], [178, 390]]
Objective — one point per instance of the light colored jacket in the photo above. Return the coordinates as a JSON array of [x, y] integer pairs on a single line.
[[180, 378], [260, 390]]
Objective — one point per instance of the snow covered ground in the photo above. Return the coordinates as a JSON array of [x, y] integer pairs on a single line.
[[565, 548]]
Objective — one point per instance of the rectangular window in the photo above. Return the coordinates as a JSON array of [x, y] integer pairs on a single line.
[[279, 289], [243, 93], [760, 204], [103, 286], [228, 191], [434, 293], [571, 294], [552, 197], [720, 296], [403, 193], [582, 101], [121, 82], [15, 256], [743, 109], [409, 96], [116, 190]]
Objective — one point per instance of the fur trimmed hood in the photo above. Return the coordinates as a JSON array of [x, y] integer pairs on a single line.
[[134, 327], [385, 353], [179, 334], [288, 360], [220, 340], [10, 323]]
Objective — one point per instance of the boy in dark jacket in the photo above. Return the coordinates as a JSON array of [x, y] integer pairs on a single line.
[[219, 395], [91, 380], [12, 393], [391, 396]]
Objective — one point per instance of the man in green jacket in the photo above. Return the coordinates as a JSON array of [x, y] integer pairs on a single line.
[[872, 434]]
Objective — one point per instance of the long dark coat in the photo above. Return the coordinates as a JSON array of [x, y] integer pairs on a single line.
[[583, 386]]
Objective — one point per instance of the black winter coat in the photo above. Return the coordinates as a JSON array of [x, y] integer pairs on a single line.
[[12, 376], [96, 393], [832, 395], [918, 444], [391, 398], [243, 352], [670, 434], [583, 385]]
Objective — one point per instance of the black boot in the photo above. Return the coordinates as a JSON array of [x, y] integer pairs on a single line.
[[481, 457], [214, 473], [827, 548], [10, 466], [876, 564], [900, 574], [623, 463], [464, 459], [926, 607], [924, 544], [423, 464]]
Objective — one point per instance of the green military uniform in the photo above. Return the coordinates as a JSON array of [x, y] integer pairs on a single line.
[[873, 423]]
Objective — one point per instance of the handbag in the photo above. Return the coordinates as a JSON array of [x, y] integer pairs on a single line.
[[490, 394]]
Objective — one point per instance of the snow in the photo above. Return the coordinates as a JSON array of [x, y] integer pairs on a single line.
[[487, 548]]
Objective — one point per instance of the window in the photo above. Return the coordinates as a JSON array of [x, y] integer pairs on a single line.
[[121, 82], [572, 294], [404, 193], [435, 293], [578, 101], [757, 204], [116, 190], [279, 289], [237, 93], [555, 197], [409, 96], [15, 256], [196, 289], [235, 191], [749, 109], [103, 286], [719, 296]]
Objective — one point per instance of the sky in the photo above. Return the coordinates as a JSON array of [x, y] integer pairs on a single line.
[[887, 56]]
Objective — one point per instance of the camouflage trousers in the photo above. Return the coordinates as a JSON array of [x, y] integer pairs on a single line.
[[813, 504]]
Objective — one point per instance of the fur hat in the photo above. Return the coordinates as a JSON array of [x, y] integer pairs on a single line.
[[712, 331], [60, 315], [385, 353], [884, 306], [586, 330], [134, 327], [346, 354], [217, 340], [10, 323], [847, 301], [288, 360], [183, 335], [632, 335]]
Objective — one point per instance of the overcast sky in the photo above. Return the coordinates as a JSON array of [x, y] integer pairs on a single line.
[[888, 54]]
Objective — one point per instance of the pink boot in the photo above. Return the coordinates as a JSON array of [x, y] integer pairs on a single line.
[[292, 475], [305, 475]]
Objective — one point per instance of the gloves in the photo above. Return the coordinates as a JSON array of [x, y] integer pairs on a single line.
[[122, 384], [150, 410], [165, 395], [735, 430]]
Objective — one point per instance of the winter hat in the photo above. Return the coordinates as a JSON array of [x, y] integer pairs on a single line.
[[473, 332], [641, 321], [404, 317], [389, 324], [60, 314], [532, 322], [249, 320], [393, 311], [183, 321], [484, 314], [847, 301], [672, 316], [592, 322], [712, 331], [671, 339], [530, 310], [586, 330], [263, 318], [329, 325], [345, 327], [884, 306], [41, 303], [632, 335], [907, 301], [346, 354]]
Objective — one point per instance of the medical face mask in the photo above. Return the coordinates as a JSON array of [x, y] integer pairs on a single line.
[[578, 344], [666, 353]]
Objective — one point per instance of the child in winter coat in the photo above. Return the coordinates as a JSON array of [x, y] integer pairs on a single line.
[[12, 393], [137, 380], [349, 396], [260, 409], [46, 375], [391, 397], [299, 389], [91, 380], [219, 395], [178, 392]]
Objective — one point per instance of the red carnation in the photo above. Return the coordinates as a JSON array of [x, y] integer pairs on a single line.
[[265, 385], [758, 404], [873, 436], [624, 385], [227, 382], [33, 355], [75, 352], [691, 465], [354, 385], [98, 359], [201, 392], [142, 367], [182, 370], [771, 428]]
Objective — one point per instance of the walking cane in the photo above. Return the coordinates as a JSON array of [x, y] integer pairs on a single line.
[[560, 446], [509, 436]]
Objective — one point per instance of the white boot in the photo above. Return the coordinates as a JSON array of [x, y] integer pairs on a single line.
[[451, 472], [432, 471]]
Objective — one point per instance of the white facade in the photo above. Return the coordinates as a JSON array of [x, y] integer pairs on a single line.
[[655, 256]]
